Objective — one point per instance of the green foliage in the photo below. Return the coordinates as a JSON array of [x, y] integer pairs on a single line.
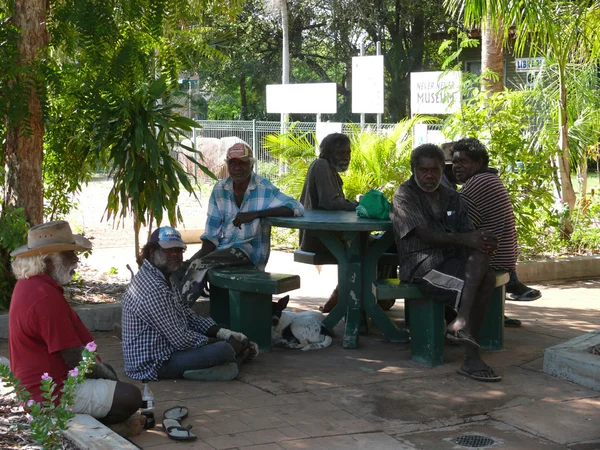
[[380, 160], [586, 221], [501, 121], [139, 141], [47, 420], [13, 234]]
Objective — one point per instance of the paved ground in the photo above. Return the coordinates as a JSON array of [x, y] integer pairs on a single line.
[[375, 397]]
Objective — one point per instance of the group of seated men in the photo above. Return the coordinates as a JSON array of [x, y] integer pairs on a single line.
[[448, 247]]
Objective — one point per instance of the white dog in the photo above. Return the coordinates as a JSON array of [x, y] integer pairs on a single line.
[[298, 330]]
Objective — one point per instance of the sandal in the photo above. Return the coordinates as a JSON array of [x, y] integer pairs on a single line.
[[176, 432], [461, 337], [486, 375], [527, 296], [177, 413], [511, 322]]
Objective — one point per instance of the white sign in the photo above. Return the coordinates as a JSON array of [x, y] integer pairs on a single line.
[[326, 128], [308, 98], [530, 64], [367, 84], [434, 92]]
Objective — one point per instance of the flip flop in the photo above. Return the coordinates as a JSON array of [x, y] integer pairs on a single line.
[[527, 296], [461, 337], [511, 322], [177, 413], [491, 379], [176, 432]]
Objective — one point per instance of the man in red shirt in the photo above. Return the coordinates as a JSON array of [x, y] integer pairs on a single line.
[[47, 337]]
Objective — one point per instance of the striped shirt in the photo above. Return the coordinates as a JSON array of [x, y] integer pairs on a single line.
[[156, 322], [490, 209], [411, 209], [253, 238]]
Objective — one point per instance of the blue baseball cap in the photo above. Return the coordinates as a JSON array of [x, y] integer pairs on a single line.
[[167, 237]]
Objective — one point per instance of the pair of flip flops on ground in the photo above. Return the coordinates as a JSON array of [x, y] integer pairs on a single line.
[[172, 426]]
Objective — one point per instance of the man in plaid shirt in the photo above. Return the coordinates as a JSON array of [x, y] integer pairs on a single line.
[[162, 336], [234, 232]]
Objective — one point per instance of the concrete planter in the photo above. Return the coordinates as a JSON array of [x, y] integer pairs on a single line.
[[569, 268]]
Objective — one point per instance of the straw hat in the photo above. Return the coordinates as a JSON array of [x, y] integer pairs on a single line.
[[51, 237]]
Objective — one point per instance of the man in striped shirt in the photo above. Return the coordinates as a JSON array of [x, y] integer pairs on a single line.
[[490, 209]]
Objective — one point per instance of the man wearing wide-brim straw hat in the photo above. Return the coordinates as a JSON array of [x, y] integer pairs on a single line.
[[47, 337]]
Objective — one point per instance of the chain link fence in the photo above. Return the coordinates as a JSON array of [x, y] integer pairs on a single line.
[[253, 132]]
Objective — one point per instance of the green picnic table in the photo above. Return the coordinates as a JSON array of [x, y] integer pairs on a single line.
[[357, 267]]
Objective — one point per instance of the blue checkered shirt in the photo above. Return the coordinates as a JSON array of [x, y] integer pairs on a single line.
[[253, 238], [156, 322]]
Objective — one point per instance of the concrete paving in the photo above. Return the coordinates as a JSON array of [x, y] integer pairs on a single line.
[[376, 397]]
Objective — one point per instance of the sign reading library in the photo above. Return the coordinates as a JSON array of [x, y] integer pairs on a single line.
[[434, 92]]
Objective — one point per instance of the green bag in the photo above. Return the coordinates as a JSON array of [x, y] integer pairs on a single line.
[[373, 205]]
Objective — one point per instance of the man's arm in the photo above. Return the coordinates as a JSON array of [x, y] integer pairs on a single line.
[[72, 357], [480, 240], [247, 217]]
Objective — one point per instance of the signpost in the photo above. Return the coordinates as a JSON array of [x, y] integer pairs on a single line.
[[531, 67], [434, 92], [306, 98]]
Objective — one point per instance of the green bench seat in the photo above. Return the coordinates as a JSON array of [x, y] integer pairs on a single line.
[[425, 318], [241, 298]]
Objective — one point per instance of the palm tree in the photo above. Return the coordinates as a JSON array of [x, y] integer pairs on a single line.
[[562, 30]]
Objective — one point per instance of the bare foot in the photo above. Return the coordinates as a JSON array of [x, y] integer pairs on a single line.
[[133, 426], [331, 303]]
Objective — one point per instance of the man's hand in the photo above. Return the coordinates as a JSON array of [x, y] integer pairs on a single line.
[[244, 217], [225, 334], [483, 241]]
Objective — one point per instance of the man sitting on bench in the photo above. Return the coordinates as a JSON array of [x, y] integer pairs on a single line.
[[440, 249], [234, 232], [323, 189], [490, 208], [162, 336]]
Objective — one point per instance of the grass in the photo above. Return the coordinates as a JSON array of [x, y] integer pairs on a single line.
[[593, 182]]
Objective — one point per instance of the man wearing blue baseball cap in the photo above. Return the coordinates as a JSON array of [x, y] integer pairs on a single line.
[[162, 336]]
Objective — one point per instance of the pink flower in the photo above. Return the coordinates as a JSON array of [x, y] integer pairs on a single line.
[[91, 346], [29, 403], [45, 376], [74, 372], [29, 418]]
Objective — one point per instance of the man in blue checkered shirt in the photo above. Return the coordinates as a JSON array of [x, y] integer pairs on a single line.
[[162, 336], [234, 233]]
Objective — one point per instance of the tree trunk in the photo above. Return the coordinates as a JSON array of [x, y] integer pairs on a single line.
[[24, 141], [492, 57], [582, 175], [243, 97], [564, 165]]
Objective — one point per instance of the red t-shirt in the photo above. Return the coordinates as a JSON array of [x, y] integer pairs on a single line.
[[40, 324]]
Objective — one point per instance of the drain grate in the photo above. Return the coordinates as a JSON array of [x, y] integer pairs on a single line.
[[473, 441]]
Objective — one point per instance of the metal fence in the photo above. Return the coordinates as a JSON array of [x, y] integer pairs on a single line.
[[254, 132]]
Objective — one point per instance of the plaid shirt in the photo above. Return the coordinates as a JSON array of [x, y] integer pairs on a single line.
[[411, 209], [156, 323], [253, 238]]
